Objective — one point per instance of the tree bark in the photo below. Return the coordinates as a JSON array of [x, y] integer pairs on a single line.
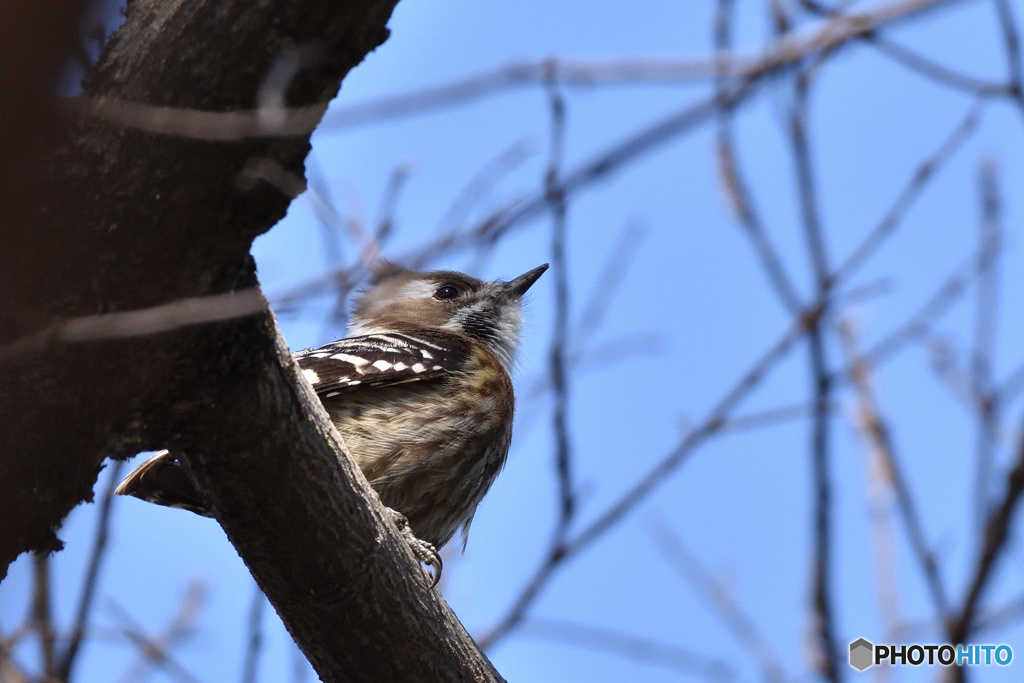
[[127, 216]]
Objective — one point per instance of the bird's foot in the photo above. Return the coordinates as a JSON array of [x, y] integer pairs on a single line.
[[425, 552]]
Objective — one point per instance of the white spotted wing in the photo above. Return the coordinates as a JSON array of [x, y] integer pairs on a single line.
[[377, 360]]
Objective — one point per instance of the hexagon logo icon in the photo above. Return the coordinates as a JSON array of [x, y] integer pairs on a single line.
[[861, 654]]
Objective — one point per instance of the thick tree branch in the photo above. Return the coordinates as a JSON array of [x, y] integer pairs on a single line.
[[135, 220]]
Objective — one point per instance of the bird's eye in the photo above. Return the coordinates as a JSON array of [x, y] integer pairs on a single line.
[[447, 292]]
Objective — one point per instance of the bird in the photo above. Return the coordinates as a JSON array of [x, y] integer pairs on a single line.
[[420, 389]]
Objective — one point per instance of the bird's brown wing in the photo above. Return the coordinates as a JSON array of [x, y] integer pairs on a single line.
[[378, 360]]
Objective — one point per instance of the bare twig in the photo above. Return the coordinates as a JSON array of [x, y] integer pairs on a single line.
[[1011, 42], [158, 651], [919, 324], [606, 286], [771, 417], [911, 191], [557, 366], [196, 124], [984, 338], [1001, 617], [601, 165], [272, 172], [935, 71], [737, 189], [631, 647], [717, 599], [779, 56], [997, 531], [254, 641], [388, 207], [146, 321], [479, 188], [346, 278], [1011, 387], [560, 333], [877, 433], [787, 50], [953, 374], [715, 419], [67, 659], [826, 643], [918, 63], [332, 223], [10, 672], [42, 613], [657, 475]]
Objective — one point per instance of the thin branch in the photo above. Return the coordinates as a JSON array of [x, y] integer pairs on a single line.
[[557, 365], [163, 318], [735, 184], [158, 650], [918, 63], [598, 167], [920, 323], [1001, 617], [657, 475], [710, 425], [634, 146], [347, 277], [785, 51], [832, 37], [771, 417], [254, 641], [626, 645], [196, 124], [388, 207], [596, 357], [717, 599], [481, 185], [42, 613], [92, 574], [156, 655], [877, 432], [1011, 43], [10, 672], [925, 171], [984, 337], [935, 71], [607, 284], [825, 629], [560, 333], [997, 532], [956, 378], [320, 198], [1011, 386]]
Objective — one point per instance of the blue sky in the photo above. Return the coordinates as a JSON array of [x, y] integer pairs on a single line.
[[741, 502]]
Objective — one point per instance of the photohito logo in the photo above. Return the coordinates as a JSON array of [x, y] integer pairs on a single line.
[[864, 654]]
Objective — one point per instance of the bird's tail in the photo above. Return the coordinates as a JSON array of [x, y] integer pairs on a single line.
[[162, 480]]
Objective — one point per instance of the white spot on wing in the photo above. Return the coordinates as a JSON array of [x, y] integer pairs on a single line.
[[426, 354], [356, 361], [399, 366], [418, 367], [382, 365], [311, 376], [329, 394]]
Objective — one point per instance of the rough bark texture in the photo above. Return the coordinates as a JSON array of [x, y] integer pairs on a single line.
[[121, 219]]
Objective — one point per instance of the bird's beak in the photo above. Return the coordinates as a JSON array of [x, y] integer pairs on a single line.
[[518, 286]]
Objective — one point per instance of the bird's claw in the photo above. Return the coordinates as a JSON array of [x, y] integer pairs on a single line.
[[425, 552]]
